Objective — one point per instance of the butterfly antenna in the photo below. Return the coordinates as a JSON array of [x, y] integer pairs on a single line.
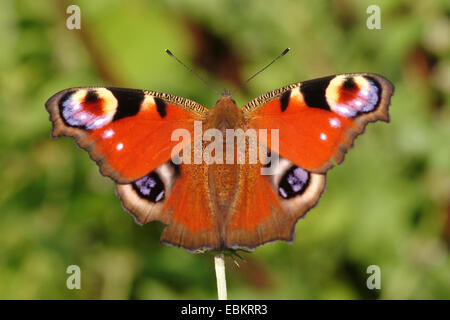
[[192, 71], [248, 80]]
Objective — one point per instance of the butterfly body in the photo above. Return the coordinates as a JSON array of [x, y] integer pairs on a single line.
[[211, 200], [223, 179]]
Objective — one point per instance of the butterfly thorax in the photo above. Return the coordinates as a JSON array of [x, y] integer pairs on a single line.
[[225, 115]]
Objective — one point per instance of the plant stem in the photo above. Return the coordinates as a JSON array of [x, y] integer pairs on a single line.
[[219, 261]]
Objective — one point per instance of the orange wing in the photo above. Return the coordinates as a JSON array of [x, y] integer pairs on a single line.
[[177, 196], [319, 119], [261, 213]]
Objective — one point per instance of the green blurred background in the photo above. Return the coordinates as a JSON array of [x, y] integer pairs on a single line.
[[388, 204]]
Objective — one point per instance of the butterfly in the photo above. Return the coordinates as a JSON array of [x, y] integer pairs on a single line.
[[221, 206]]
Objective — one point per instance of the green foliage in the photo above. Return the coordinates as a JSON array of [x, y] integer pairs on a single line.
[[388, 204]]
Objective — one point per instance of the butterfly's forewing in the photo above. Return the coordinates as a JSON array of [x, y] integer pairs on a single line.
[[317, 122], [127, 132], [319, 119], [194, 224], [179, 197]]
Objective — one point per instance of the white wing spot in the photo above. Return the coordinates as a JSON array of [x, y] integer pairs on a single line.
[[344, 110], [99, 122], [108, 133], [323, 136], [160, 196], [119, 146], [364, 92]]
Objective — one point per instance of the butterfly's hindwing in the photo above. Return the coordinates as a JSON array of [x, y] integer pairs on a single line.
[[145, 198], [272, 204]]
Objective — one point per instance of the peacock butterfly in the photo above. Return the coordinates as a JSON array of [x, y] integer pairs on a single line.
[[221, 205]]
